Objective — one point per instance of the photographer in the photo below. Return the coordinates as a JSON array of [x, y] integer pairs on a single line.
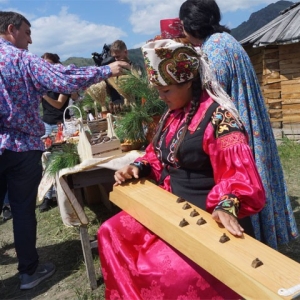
[[103, 59], [117, 51]]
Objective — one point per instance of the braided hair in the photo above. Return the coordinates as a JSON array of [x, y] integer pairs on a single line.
[[196, 93]]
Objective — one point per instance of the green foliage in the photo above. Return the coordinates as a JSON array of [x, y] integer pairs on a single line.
[[138, 87], [131, 125], [86, 101], [59, 160]]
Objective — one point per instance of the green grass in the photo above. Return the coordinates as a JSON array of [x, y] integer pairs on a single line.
[[61, 245], [289, 152]]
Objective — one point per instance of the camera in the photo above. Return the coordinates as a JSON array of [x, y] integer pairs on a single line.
[[104, 58]]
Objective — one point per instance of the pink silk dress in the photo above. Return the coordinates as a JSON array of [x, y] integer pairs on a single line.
[[137, 264]]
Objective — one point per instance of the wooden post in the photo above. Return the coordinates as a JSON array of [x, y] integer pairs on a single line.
[[88, 258]]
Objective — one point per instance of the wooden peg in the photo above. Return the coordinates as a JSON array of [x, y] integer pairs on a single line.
[[183, 223], [186, 206], [224, 238], [201, 221], [256, 263], [180, 200], [194, 213]]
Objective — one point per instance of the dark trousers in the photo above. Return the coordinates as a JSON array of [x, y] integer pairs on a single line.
[[20, 175]]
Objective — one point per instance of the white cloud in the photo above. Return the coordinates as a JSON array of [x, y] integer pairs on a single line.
[[145, 15], [73, 37], [234, 5], [68, 34]]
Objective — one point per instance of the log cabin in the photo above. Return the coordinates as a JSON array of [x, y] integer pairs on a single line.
[[275, 54]]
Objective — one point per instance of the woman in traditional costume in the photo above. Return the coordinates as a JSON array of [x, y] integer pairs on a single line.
[[200, 152], [275, 224]]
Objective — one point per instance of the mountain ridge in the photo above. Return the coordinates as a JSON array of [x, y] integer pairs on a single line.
[[259, 19]]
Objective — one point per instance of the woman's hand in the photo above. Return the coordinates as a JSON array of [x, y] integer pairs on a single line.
[[229, 222], [127, 172]]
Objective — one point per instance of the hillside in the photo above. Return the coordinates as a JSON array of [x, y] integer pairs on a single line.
[[260, 19], [135, 55]]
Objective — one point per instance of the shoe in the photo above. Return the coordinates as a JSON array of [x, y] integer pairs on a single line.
[[42, 272], [6, 213], [47, 204]]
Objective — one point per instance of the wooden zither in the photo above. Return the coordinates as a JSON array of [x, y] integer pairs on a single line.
[[249, 267]]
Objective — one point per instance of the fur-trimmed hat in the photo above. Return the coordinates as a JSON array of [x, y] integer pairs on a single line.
[[168, 62]]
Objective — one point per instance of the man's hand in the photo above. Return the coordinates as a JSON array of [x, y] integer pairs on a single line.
[[119, 68]]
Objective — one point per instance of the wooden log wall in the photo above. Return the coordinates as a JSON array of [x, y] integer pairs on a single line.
[[278, 70], [290, 89]]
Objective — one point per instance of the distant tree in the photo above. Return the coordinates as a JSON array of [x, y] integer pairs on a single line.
[[78, 61]]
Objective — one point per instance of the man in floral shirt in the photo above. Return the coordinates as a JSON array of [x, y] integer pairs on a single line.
[[24, 78]]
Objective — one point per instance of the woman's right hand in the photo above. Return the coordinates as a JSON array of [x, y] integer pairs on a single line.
[[127, 172]]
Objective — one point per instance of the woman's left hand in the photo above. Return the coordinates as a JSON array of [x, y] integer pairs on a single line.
[[229, 222]]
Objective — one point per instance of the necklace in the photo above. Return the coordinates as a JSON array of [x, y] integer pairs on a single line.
[[168, 123]]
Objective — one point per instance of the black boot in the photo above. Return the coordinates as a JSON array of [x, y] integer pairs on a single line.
[[47, 204], [6, 213]]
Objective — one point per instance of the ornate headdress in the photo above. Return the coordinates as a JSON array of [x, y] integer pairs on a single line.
[[169, 62], [171, 28]]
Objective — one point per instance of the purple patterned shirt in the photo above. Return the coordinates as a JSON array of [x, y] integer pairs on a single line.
[[24, 78]]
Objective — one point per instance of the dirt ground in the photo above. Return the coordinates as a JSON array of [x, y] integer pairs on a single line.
[[61, 245]]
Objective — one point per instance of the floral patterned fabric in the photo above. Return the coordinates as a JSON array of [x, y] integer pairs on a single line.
[[139, 265], [24, 78], [168, 62], [275, 224]]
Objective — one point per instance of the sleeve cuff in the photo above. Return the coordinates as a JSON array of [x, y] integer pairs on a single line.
[[230, 204], [144, 168]]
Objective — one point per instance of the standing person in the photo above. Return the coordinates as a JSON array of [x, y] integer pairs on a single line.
[[118, 50], [24, 79], [200, 153], [54, 105], [275, 224]]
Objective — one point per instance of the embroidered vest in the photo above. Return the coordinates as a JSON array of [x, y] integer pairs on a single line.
[[191, 176]]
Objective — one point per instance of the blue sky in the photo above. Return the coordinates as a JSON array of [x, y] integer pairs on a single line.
[[80, 27]]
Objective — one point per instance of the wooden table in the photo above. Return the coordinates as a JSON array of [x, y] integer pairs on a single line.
[[77, 182], [72, 184], [95, 176]]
